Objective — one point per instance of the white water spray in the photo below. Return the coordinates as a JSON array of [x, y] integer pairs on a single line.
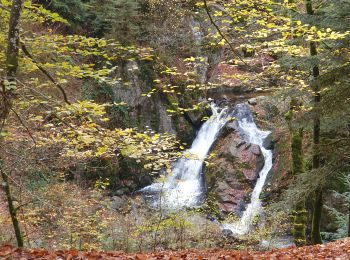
[[184, 187], [253, 135]]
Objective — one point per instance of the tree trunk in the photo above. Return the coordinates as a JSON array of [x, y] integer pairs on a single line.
[[300, 214], [316, 218], [13, 40], [7, 91], [12, 209], [349, 221]]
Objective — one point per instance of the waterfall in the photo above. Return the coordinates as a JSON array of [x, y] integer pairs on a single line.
[[251, 134], [184, 186]]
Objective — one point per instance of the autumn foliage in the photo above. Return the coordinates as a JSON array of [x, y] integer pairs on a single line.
[[336, 250]]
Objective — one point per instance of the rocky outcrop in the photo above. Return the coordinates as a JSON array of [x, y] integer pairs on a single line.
[[268, 115], [136, 79], [236, 170], [236, 167]]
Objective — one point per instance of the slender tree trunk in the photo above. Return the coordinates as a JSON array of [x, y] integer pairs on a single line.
[[349, 222], [316, 219], [317, 212], [12, 209], [299, 213], [7, 92]]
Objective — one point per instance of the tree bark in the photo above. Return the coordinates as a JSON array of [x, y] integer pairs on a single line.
[[318, 204], [299, 213], [349, 221], [13, 40], [12, 209], [7, 92], [316, 219]]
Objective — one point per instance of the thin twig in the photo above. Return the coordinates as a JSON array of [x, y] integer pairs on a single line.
[[22, 123]]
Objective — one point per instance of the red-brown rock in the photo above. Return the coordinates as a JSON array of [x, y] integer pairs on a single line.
[[236, 171]]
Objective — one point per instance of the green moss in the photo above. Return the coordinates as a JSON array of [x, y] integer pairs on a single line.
[[300, 214], [297, 154], [299, 223], [239, 174], [37, 179], [245, 166], [146, 73], [97, 91]]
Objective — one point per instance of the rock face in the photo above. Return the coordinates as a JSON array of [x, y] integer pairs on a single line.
[[137, 79], [252, 101], [269, 112], [269, 142], [236, 170], [141, 111]]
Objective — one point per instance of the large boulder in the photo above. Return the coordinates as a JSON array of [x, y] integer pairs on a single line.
[[118, 202], [269, 142], [235, 171]]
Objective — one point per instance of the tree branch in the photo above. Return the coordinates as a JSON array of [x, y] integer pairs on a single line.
[[221, 33], [47, 74]]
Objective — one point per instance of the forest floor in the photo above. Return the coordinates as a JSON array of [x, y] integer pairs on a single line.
[[335, 250]]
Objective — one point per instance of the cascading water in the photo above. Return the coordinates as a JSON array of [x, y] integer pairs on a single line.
[[184, 187], [251, 134]]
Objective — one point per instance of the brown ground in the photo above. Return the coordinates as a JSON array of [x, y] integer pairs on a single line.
[[335, 250]]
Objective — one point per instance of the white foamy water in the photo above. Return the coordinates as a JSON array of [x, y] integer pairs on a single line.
[[252, 135], [184, 187]]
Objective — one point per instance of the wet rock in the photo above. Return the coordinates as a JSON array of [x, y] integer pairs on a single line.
[[227, 233], [243, 111], [255, 149], [248, 157], [122, 191], [195, 117], [279, 176], [118, 202], [252, 101], [145, 180], [240, 144], [237, 167], [269, 142]]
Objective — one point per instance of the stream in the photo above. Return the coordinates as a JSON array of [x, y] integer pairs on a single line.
[[253, 135], [184, 186]]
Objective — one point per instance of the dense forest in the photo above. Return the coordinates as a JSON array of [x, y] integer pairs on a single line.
[[152, 125]]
